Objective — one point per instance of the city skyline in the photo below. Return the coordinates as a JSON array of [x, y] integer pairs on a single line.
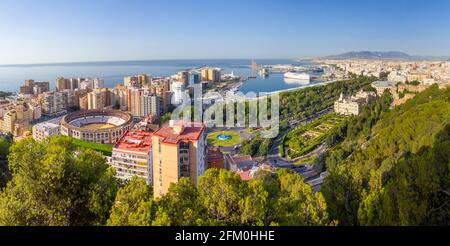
[[83, 31]]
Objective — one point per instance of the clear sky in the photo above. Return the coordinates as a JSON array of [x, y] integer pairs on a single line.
[[39, 31]]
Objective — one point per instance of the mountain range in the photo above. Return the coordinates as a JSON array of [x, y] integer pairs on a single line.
[[388, 55]]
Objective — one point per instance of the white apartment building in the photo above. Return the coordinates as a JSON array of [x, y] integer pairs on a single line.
[[179, 91], [132, 156], [44, 130]]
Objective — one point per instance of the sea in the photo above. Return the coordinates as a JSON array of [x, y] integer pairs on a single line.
[[13, 76]]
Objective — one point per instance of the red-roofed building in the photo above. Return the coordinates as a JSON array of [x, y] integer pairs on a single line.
[[215, 158], [132, 155], [179, 151]]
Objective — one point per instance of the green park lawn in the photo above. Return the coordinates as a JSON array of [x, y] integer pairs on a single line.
[[105, 149], [213, 140]]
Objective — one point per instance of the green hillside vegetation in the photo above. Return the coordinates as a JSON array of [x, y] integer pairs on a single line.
[[5, 94], [105, 149], [5, 143], [256, 147], [300, 104], [400, 176], [306, 138]]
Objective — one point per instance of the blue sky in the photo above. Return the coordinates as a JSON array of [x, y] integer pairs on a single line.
[[80, 30]]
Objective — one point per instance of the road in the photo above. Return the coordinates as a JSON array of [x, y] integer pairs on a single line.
[[275, 160], [275, 150]]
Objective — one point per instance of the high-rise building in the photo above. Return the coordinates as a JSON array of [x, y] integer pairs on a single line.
[[130, 81], [143, 103], [98, 83], [41, 87], [66, 84], [51, 102], [178, 90], [61, 83], [91, 83], [35, 88], [144, 79], [150, 105], [183, 76], [137, 81], [211, 74], [204, 74], [214, 75], [100, 98], [178, 151], [120, 97], [132, 156], [195, 78], [84, 102], [36, 109]]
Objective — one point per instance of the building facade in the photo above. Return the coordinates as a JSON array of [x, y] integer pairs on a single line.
[[353, 105], [179, 150], [132, 156], [44, 130]]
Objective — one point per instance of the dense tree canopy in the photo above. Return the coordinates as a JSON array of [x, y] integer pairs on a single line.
[[399, 175], [132, 205], [5, 143], [53, 183], [222, 198], [300, 104]]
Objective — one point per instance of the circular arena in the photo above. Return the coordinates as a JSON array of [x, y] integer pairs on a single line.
[[99, 126]]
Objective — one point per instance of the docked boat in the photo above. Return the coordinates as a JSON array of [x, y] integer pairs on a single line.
[[298, 76]]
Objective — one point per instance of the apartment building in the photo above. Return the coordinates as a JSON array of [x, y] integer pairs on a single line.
[[211, 74], [44, 130], [51, 102], [132, 156], [179, 150]]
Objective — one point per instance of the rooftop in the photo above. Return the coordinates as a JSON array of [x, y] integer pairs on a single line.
[[215, 154], [242, 163], [46, 125], [179, 131], [136, 141], [383, 83]]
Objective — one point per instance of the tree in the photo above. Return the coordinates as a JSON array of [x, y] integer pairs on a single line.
[[180, 206], [417, 192], [4, 151], [222, 193], [133, 205], [399, 174], [55, 184], [165, 118], [298, 205], [342, 190]]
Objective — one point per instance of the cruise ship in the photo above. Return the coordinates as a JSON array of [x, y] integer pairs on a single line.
[[298, 76]]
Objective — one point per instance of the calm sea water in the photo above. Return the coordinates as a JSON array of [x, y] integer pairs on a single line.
[[12, 76]]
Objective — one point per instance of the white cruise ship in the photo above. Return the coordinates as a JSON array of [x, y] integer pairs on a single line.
[[298, 76]]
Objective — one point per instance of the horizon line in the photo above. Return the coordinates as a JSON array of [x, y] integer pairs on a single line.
[[143, 60]]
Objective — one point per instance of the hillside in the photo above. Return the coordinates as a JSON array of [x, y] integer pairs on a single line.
[[401, 175], [371, 55], [384, 55]]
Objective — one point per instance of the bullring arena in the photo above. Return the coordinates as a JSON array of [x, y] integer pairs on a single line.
[[99, 126]]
